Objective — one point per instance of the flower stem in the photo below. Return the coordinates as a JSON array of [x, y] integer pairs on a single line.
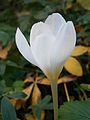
[[55, 98]]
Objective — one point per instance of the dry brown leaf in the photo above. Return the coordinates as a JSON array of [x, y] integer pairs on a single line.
[[28, 91], [29, 116], [66, 79], [19, 103], [73, 67], [29, 79], [45, 81], [4, 52], [79, 28], [79, 50]]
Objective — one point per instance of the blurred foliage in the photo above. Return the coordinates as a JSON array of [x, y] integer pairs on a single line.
[[18, 77]]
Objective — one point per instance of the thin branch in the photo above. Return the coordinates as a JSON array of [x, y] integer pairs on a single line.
[[66, 91]]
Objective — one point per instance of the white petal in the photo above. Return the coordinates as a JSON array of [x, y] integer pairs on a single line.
[[24, 47], [55, 22], [64, 46], [41, 51], [38, 29]]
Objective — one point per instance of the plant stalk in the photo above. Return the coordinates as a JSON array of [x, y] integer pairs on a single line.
[[55, 98]]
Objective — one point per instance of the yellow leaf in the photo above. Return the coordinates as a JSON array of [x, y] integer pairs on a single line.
[[66, 79], [89, 49], [88, 86], [36, 93], [4, 52], [13, 101], [38, 78], [29, 79], [28, 91], [73, 67], [29, 116], [68, 5], [42, 115], [44, 81], [79, 50]]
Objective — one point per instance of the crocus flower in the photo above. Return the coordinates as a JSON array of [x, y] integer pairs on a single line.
[[51, 43]]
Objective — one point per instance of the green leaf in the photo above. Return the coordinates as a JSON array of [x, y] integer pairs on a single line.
[[24, 21], [29, 1], [8, 111], [38, 113], [33, 1], [4, 37], [2, 86], [16, 95], [48, 106], [2, 67], [46, 99], [38, 100], [85, 4], [12, 64], [76, 110], [85, 86], [18, 83]]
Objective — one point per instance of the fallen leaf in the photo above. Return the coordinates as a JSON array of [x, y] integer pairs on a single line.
[[36, 93], [68, 5], [4, 52], [17, 103], [13, 101], [79, 28], [28, 91], [89, 49], [88, 86], [79, 50], [73, 67], [29, 79], [66, 79], [42, 115], [29, 116], [44, 81]]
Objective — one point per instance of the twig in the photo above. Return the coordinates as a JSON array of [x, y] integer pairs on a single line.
[[66, 91]]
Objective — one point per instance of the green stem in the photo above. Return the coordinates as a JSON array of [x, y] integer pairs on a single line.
[[55, 98]]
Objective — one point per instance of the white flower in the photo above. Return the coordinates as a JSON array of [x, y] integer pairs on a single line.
[[51, 43]]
